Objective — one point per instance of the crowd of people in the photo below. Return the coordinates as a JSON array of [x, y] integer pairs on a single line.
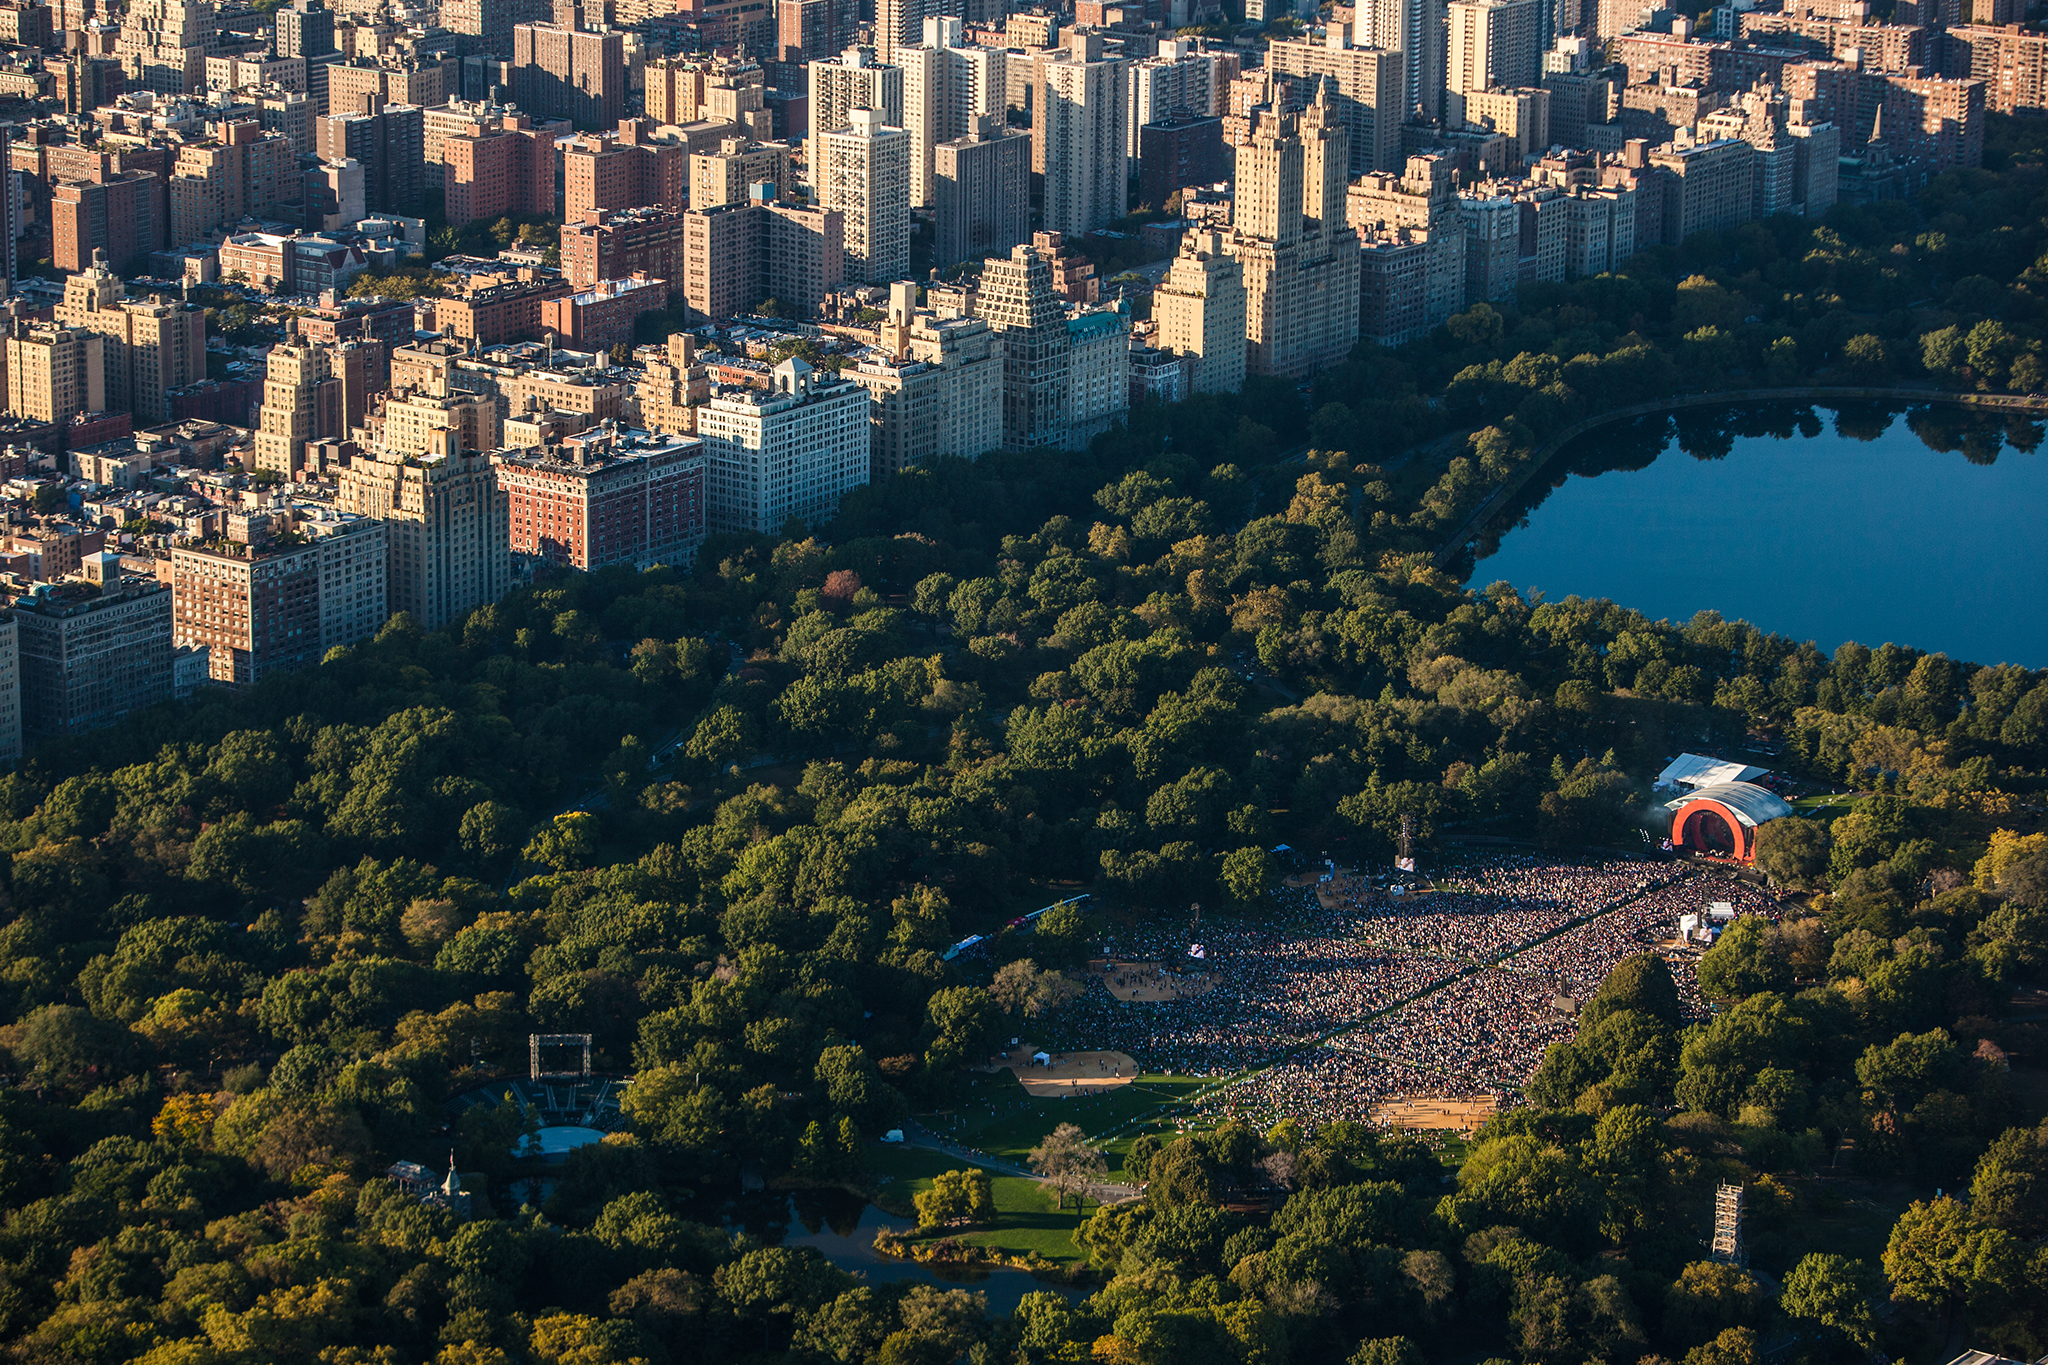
[[1494, 903], [1452, 992]]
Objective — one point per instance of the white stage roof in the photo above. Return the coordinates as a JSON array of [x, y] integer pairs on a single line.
[[1697, 770]]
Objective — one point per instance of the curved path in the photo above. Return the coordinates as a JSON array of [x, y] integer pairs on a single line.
[[1499, 498]]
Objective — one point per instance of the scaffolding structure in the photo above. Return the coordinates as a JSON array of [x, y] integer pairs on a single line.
[[536, 1041], [1728, 1249]]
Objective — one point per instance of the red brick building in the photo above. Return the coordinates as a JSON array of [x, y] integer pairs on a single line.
[[608, 496], [602, 317], [506, 168], [611, 245]]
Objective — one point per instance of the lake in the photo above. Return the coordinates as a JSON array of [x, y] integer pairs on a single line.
[[1919, 524], [842, 1227]]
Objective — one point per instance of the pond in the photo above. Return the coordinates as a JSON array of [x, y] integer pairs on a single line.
[[843, 1226], [1920, 524]]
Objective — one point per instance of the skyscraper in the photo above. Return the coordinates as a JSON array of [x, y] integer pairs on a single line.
[[1078, 137], [1200, 311], [567, 73], [447, 526], [1371, 91], [1290, 234], [982, 192], [864, 174], [164, 45], [1018, 302], [1492, 44], [289, 415], [852, 80]]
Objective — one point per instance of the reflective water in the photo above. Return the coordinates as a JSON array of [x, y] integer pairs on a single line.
[[1919, 524], [842, 1227]]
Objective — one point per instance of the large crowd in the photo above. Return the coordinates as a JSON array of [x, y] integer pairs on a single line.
[[1453, 992]]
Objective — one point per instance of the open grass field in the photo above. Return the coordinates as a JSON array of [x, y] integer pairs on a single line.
[[994, 1114], [1025, 1218]]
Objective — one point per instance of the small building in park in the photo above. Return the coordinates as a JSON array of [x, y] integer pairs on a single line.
[[1723, 819]]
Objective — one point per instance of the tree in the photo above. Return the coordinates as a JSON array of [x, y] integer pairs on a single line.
[[1794, 852], [1246, 874], [1746, 959], [1067, 1163], [956, 1197], [567, 844], [1835, 1292], [1937, 1258]]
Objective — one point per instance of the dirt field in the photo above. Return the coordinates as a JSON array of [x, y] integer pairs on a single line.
[[1431, 1111], [1129, 981], [1070, 1073], [1308, 878]]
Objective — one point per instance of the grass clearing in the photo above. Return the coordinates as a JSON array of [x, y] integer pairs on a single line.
[[993, 1114], [1025, 1218]]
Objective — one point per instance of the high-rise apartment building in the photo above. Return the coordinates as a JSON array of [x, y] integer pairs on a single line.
[[935, 388], [898, 24], [1291, 235], [736, 255], [981, 193], [809, 30], [503, 164], [1521, 115], [863, 174], [122, 216], [262, 605], [389, 144], [1079, 143], [1491, 43], [152, 346], [1417, 30], [164, 45], [54, 372], [92, 648], [729, 175], [1200, 311], [1177, 81], [571, 74], [948, 91], [447, 526], [238, 170], [791, 451], [305, 28], [1708, 186], [607, 496], [1371, 91], [492, 21], [10, 689], [289, 416], [1412, 271], [853, 80], [1019, 303]]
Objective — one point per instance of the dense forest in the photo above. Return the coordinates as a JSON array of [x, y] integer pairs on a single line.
[[727, 819]]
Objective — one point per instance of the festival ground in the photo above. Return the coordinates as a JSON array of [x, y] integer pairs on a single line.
[[1429, 1113], [1070, 1074], [1134, 982]]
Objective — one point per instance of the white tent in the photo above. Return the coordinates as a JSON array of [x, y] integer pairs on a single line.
[[1042, 1058], [1697, 770]]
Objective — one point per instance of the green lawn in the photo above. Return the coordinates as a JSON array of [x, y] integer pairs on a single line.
[[1827, 807], [1025, 1218], [994, 1115]]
